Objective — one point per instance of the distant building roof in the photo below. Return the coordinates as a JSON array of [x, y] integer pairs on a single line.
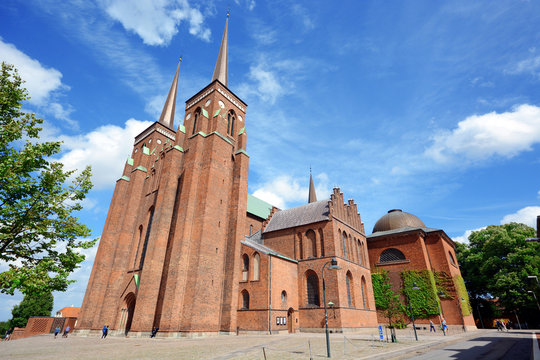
[[399, 230], [301, 215], [258, 207], [266, 250], [69, 311]]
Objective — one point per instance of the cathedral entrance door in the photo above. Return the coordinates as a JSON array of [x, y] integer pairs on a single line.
[[290, 320], [130, 305]]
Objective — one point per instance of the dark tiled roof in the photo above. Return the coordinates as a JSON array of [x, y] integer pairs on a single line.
[[400, 230], [265, 250], [301, 215]]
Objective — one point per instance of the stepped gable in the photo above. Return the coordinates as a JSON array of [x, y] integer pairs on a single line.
[[345, 212]]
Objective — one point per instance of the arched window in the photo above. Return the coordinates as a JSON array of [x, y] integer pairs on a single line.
[[360, 253], [452, 260], [300, 247], [321, 237], [349, 283], [245, 299], [284, 298], [312, 283], [311, 243], [365, 304], [344, 244], [245, 267], [390, 255], [230, 123], [250, 230], [146, 238], [256, 266], [195, 118], [138, 246]]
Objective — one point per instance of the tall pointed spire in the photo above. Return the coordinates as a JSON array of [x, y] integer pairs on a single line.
[[312, 196], [167, 114], [221, 71]]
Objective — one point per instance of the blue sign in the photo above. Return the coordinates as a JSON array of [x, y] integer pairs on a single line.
[[380, 333]]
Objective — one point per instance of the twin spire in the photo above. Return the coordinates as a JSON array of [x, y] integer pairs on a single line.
[[312, 197], [220, 73]]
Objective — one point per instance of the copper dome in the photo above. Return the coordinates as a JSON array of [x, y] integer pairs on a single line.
[[397, 219]]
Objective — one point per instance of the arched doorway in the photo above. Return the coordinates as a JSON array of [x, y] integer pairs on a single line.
[[126, 316], [290, 320]]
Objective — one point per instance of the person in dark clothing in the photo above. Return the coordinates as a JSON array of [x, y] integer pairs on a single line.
[[105, 331], [154, 332]]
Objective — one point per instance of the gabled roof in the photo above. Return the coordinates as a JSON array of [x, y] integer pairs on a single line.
[[69, 311], [301, 215]]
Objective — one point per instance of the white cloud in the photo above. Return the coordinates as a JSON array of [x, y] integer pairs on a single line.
[[465, 237], [105, 149], [530, 65], [284, 190], [527, 216], [157, 21], [480, 137], [40, 81]]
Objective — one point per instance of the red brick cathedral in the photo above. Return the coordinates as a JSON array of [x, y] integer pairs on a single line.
[[186, 249]]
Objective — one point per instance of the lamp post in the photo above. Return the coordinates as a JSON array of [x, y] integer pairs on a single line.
[[478, 306], [461, 313], [414, 287], [441, 295], [532, 292], [333, 266], [536, 278]]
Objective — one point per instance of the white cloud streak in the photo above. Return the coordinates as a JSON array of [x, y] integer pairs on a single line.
[[157, 21], [480, 137], [526, 215], [104, 148]]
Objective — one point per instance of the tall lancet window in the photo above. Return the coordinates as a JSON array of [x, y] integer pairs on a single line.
[[195, 119], [230, 123], [148, 229]]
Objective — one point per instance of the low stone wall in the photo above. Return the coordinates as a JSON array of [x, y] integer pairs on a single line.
[[43, 325]]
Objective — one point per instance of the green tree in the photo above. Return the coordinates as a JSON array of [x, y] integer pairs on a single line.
[[38, 231], [497, 261], [35, 304], [386, 299]]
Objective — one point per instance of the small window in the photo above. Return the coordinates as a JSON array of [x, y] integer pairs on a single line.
[[390, 255], [344, 244], [452, 260], [230, 123], [256, 266], [245, 299], [348, 281], [197, 115], [313, 290], [245, 267], [284, 297]]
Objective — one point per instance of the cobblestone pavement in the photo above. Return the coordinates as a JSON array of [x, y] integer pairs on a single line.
[[289, 346]]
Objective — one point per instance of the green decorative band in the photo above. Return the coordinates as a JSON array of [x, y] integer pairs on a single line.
[[182, 128], [142, 168], [212, 133], [241, 151], [146, 150], [242, 131], [217, 112], [179, 148], [125, 178], [130, 161], [205, 113]]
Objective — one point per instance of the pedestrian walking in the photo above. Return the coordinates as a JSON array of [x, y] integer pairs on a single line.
[[56, 331], [7, 337], [498, 324], [154, 332], [66, 332], [444, 326], [104, 331], [431, 326]]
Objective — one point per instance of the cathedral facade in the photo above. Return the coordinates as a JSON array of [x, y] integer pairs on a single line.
[[187, 250]]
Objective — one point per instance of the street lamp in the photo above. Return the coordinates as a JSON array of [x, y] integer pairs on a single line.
[[333, 266], [536, 278], [414, 287], [478, 306], [532, 292], [461, 313], [441, 295]]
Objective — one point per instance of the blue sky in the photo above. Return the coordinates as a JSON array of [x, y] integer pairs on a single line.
[[430, 107]]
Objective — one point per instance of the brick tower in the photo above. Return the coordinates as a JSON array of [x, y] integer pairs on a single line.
[[170, 249]]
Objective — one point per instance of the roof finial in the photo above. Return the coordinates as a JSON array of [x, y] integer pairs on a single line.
[[167, 114], [221, 71], [312, 197]]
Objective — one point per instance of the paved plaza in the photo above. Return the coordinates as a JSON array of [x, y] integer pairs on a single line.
[[285, 346]]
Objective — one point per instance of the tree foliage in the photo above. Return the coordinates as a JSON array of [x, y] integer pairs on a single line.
[[497, 261], [38, 231], [35, 304]]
